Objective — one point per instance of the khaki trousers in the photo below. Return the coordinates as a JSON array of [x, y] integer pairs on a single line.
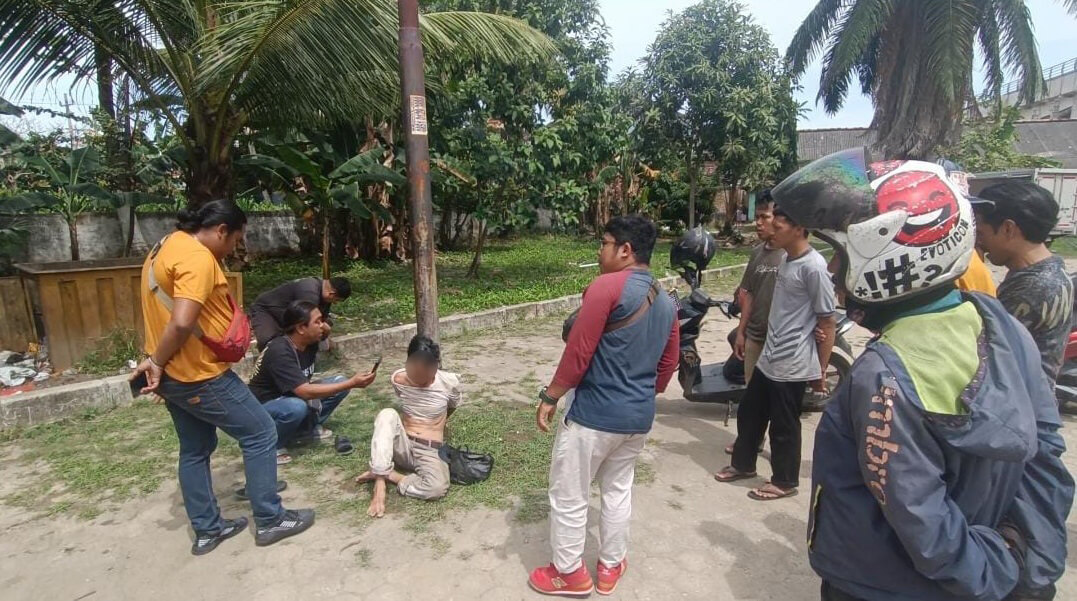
[[391, 448]]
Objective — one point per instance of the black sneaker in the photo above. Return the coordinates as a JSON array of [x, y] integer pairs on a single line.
[[291, 523], [241, 492], [205, 542]]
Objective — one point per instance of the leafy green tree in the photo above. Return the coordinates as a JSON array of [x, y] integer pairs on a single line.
[[990, 145], [715, 89], [215, 67], [916, 59], [532, 135]]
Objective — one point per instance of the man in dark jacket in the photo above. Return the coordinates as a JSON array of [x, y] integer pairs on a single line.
[[267, 312], [937, 472]]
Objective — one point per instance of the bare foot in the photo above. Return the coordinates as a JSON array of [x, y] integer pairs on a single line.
[[377, 502], [365, 477]]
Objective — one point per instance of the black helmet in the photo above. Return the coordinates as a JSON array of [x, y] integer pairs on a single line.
[[695, 248]]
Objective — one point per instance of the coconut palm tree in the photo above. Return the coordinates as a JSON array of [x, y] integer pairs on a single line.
[[215, 67], [915, 59]]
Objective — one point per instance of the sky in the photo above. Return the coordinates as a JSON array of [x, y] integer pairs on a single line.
[[633, 25]]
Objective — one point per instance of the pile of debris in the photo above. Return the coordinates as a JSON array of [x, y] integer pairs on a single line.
[[19, 372]]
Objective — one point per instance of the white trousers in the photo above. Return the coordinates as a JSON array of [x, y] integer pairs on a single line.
[[580, 455]]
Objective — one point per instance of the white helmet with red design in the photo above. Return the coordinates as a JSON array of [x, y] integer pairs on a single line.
[[902, 228]]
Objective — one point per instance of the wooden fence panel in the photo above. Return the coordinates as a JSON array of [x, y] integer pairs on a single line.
[[16, 320]]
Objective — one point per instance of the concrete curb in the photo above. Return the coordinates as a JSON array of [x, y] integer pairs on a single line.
[[52, 404]]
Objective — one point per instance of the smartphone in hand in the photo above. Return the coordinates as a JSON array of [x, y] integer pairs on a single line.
[[377, 363], [140, 382]]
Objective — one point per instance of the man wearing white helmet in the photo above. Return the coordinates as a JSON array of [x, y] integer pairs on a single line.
[[937, 470]]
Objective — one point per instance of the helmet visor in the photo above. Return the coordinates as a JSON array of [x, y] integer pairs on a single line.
[[828, 193]]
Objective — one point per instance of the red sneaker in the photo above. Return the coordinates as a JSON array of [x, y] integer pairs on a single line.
[[609, 577], [549, 581]]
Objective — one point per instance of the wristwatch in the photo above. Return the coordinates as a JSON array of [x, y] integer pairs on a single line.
[[545, 398]]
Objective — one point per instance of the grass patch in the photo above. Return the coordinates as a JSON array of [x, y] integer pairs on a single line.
[[85, 465], [1065, 246], [520, 270], [110, 353]]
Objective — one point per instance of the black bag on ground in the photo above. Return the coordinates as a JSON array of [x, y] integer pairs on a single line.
[[465, 466]]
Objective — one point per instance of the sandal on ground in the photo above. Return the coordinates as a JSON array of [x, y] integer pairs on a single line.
[[770, 492], [343, 446], [283, 458], [732, 474]]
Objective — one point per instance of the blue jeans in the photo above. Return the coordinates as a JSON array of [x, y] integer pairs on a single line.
[[197, 410], [291, 413]]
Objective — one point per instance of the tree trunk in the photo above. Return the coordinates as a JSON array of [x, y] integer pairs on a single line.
[[913, 117], [73, 231], [208, 180], [692, 185], [105, 98], [476, 262], [325, 243]]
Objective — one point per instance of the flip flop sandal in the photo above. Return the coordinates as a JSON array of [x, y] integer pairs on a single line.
[[772, 496], [283, 458], [241, 492], [733, 475], [343, 446]]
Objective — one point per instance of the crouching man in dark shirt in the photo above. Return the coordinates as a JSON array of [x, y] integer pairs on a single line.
[[267, 312], [282, 379]]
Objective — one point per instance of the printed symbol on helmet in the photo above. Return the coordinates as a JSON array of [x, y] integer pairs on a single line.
[[933, 271], [895, 277], [929, 201], [873, 283]]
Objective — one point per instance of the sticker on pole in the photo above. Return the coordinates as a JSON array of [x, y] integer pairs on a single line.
[[417, 108]]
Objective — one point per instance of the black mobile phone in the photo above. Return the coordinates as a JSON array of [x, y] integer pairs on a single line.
[[140, 382], [377, 362]]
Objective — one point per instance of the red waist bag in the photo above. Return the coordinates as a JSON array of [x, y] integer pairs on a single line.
[[237, 339]]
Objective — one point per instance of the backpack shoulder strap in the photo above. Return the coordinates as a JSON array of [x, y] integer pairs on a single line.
[[155, 287], [638, 314]]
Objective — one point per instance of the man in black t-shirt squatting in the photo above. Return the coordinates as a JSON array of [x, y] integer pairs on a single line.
[[282, 379]]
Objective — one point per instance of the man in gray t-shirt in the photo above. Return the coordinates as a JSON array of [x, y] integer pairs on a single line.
[[803, 293], [792, 357]]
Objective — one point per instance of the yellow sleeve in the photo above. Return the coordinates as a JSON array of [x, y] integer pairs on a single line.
[[194, 276]]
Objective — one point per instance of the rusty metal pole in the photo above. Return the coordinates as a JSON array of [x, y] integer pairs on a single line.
[[415, 134]]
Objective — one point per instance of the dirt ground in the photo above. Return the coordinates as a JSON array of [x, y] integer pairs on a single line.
[[692, 538]]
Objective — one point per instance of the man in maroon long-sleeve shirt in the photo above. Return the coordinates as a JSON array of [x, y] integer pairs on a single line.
[[622, 350]]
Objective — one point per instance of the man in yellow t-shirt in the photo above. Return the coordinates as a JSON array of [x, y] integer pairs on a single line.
[[200, 391], [977, 277]]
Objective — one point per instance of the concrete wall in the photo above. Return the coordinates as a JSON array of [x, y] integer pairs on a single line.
[[268, 234], [49, 239], [101, 236]]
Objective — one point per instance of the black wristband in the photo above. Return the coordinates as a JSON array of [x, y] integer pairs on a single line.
[[545, 398]]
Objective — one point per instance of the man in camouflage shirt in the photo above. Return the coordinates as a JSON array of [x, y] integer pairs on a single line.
[[1013, 221]]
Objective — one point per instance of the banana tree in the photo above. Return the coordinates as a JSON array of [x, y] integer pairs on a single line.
[[68, 188], [319, 188], [235, 64]]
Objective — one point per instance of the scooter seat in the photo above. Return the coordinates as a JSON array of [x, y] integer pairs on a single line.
[[713, 387]]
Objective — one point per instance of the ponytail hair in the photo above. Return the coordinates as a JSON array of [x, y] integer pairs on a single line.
[[211, 214]]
